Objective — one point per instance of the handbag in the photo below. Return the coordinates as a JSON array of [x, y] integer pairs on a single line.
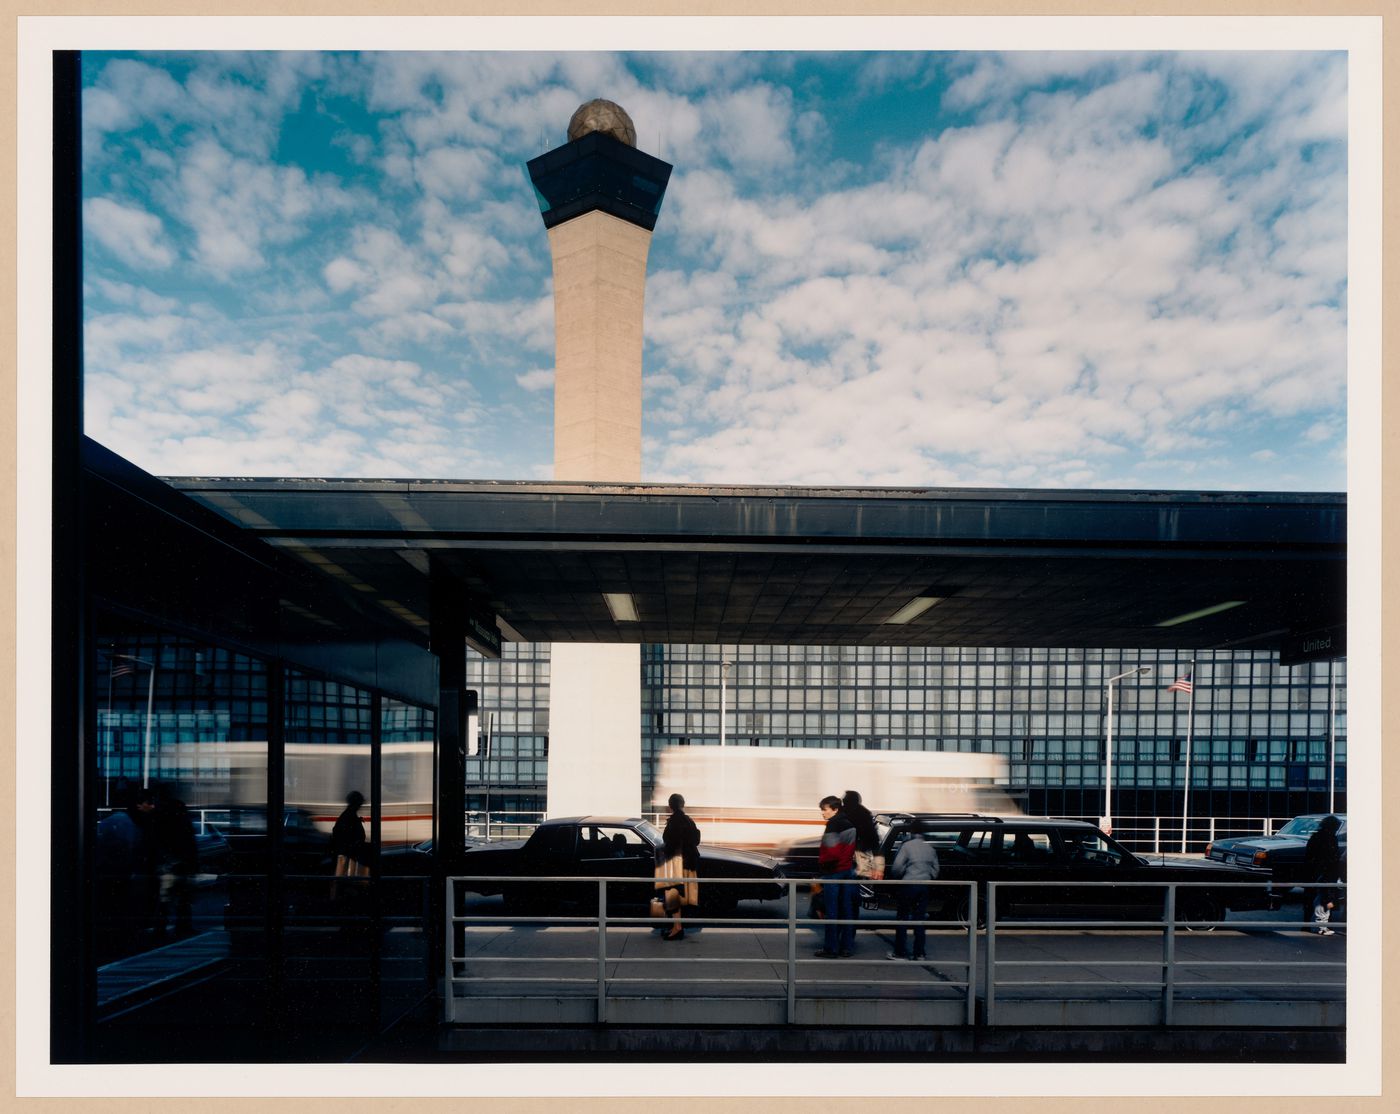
[[870, 864], [684, 881]]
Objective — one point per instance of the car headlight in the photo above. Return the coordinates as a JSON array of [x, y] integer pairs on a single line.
[[1261, 858]]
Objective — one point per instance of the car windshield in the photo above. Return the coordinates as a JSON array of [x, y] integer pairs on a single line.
[[1304, 826], [650, 833]]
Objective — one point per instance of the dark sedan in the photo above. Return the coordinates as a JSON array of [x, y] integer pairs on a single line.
[[1073, 865], [610, 847], [1281, 853]]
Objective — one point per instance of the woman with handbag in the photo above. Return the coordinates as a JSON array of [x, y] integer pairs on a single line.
[[680, 855]]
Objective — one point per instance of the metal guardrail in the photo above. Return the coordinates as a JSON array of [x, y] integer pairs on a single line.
[[603, 920], [989, 975], [1168, 925], [1159, 834]]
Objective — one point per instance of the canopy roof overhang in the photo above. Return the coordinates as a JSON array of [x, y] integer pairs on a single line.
[[817, 566]]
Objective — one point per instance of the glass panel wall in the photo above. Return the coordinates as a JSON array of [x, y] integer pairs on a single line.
[[181, 781], [1260, 731]]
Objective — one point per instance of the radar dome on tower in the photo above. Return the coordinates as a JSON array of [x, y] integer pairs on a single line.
[[605, 116]]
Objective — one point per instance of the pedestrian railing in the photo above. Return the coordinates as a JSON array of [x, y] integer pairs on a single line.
[[982, 973], [795, 968], [1163, 834], [1169, 924]]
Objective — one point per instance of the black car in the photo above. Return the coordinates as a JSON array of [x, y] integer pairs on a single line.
[[610, 847], [1073, 863], [1281, 853]]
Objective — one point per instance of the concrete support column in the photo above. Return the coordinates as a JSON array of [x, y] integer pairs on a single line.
[[595, 699], [599, 197], [595, 719]]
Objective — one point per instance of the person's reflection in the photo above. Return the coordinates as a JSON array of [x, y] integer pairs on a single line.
[[349, 847]]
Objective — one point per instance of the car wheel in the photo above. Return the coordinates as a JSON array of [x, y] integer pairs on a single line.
[[1200, 913], [960, 911]]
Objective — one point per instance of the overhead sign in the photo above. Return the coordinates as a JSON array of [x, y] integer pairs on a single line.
[[1323, 644], [481, 634]]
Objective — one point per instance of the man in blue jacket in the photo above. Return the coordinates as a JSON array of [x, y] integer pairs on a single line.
[[836, 862]]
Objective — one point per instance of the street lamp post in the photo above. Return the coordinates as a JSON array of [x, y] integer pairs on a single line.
[[723, 683], [724, 667], [1106, 821]]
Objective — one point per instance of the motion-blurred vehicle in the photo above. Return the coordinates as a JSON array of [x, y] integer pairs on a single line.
[[759, 797], [1282, 854], [1074, 864], [610, 847]]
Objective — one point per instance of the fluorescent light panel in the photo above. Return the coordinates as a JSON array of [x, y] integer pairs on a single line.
[[622, 606], [1201, 614], [913, 609]]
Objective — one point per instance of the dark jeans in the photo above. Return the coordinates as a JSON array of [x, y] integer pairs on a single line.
[[838, 904], [913, 906]]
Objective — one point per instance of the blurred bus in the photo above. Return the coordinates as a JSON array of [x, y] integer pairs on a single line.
[[759, 797], [317, 779]]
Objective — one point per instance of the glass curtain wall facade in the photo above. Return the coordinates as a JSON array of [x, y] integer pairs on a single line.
[[1260, 732], [185, 892]]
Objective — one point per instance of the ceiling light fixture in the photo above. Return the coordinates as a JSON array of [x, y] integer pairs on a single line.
[[913, 609], [622, 606], [1201, 614]]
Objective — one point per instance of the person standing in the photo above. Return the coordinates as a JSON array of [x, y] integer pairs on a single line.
[[177, 857], [349, 847], [917, 865], [680, 844], [869, 863], [1323, 856], [836, 864]]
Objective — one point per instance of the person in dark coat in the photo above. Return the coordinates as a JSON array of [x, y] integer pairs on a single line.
[[177, 860], [835, 864], [868, 861], [119, 854], [349, 847], [680, 839], [1323, 857]]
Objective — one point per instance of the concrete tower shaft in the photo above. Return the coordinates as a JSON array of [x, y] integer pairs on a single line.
[[599, 197], [600, 266]]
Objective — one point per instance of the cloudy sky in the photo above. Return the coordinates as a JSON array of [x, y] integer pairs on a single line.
[[1014, 269]]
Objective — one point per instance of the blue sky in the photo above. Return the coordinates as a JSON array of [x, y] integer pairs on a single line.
[[1021, 269]]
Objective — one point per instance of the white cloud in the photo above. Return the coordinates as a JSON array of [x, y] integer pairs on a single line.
[[454, 172], [238, 207], [540, 379], [135, 236]]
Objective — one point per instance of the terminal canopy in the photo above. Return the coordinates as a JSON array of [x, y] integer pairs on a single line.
[[659, 563]]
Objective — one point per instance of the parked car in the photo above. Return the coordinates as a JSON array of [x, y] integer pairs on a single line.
[[1073, 862], [212, 852], [608, 846], [305, 848], [1281, 853]]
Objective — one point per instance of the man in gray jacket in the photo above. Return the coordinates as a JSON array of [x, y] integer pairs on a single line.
[[916, 865]]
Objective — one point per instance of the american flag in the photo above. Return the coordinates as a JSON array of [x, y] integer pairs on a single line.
[[1181, 684], [122, 669]]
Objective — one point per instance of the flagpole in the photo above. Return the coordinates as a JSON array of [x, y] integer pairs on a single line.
[[1186, 788]]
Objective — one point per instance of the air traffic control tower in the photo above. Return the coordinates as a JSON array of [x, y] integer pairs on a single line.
[[600, 197]]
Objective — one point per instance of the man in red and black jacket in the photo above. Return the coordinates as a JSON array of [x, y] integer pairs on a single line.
[[835, 862]]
